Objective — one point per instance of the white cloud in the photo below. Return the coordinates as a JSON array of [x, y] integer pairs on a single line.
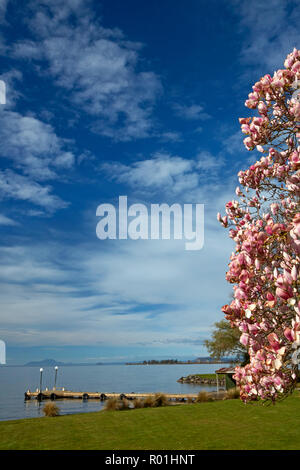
[[114, 293], [35, 151], [26, 49], [192, 112], [234, 143], [4, 220], [3, 6], [122, 293], [270, 31], [16, 186], [64, 160], [161, 294], [170, 136], [12, 94], [163, 172], [168, 174], [32, 145], [209, 163], [96, 66]]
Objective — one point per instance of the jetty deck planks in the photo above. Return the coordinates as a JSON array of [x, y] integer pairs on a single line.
[[63, 394]]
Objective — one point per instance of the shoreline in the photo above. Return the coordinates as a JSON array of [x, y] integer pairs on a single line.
[[174, 363], [202, 379]]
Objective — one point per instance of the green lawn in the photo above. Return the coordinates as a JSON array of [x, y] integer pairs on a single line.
[[217, 425]]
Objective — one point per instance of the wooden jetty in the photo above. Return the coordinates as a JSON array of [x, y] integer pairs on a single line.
[[67, 394]]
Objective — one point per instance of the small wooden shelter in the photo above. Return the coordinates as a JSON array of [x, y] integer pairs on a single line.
[[229, 380]]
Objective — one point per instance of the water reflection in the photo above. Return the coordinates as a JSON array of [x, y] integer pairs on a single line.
[[14, 381]]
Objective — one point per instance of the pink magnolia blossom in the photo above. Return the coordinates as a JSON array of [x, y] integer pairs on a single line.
[[265, 225]]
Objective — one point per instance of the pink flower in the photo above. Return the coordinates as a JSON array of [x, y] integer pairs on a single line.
[[284, 294], [289, 334], [262, 108], [294, 274], [266, 229], [244, 339], [248, 143]]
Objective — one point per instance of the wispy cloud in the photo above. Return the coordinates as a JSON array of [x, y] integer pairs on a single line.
[[11, 79], [192, 112], [16, 186], [233, 144], [98, 68], [3, 6], [270, 30], [7, 221], [170, 136], [168, 174], [158, 296], [87, 299], [33, 146], [33, 150], [60, 285]]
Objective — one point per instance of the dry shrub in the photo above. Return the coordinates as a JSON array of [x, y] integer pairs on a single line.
[[233, 393], [190, 400], [138, 403], [149, 401], [115, 404], [203, 396], [123, 404], [111, 404], [51, 409], [160, 400]]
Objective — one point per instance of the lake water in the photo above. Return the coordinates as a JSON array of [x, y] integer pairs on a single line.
[[14, 381]]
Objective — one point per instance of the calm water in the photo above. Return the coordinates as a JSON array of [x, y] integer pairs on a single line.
[[14, 381]]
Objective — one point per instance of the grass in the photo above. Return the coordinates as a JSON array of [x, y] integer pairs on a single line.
[[216, 425], [207, 376]]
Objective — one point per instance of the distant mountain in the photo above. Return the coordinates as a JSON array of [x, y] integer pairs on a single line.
[[109, 363], [53, 363], [45, 363], [199, 360]]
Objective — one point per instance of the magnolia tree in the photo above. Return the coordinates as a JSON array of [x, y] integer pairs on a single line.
[[264, 222]]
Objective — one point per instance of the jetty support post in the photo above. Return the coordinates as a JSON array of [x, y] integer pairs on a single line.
[[55, 378], [217, 383], [41, 378]]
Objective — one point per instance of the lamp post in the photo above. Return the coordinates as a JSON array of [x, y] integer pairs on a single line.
[[41, 378], [56, 369]]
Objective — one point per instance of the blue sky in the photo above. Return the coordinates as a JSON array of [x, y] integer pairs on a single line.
[[109, 98]]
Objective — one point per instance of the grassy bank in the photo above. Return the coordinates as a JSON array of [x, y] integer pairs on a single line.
[[217, 425], [207, 376]]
